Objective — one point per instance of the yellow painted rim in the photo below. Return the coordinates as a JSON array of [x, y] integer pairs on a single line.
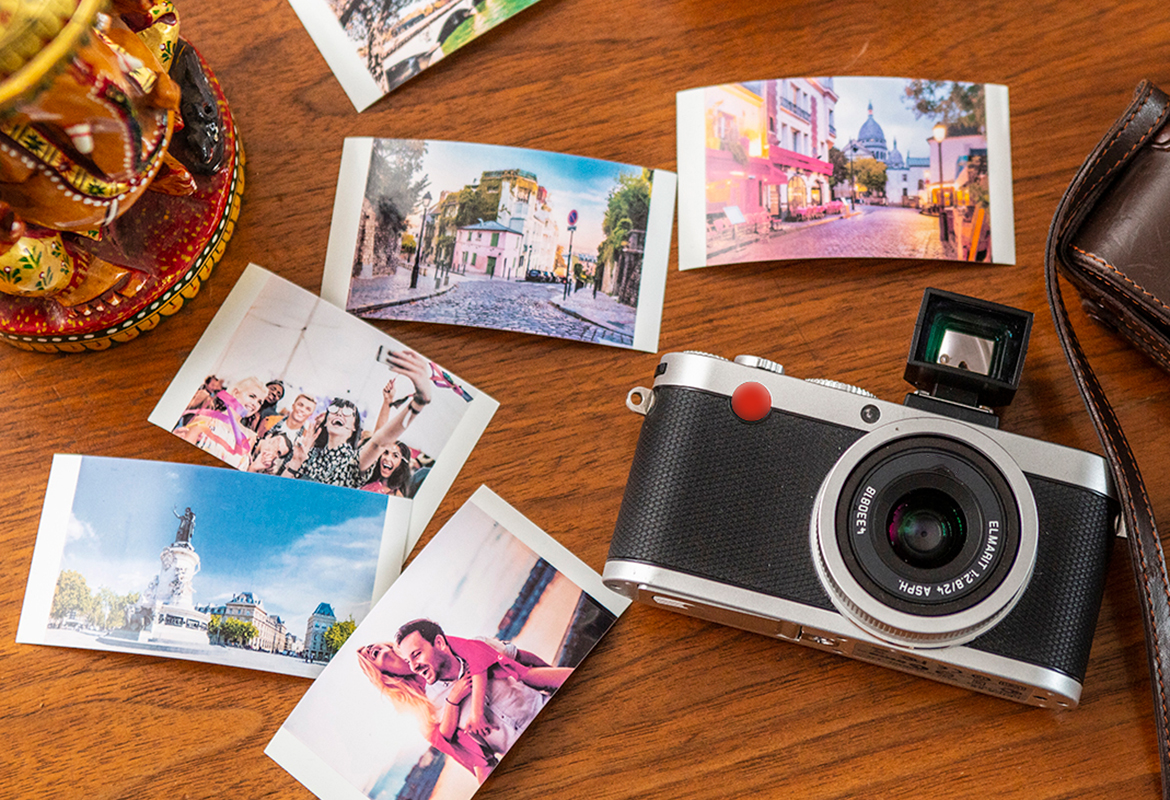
[[166, 305]]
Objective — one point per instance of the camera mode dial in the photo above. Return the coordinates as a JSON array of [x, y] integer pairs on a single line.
[[756, 362], [843, 387]]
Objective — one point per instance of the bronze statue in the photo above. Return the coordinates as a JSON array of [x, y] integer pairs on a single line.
[[186, 530]]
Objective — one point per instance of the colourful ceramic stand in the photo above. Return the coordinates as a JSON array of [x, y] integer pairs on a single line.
[[172, 243]]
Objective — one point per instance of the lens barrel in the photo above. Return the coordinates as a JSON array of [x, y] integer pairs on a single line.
[[924, 532]]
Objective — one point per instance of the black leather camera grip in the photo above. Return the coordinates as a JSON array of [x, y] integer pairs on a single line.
[[1106, 169]]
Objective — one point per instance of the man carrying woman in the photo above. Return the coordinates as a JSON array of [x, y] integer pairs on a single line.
[[473, 697]]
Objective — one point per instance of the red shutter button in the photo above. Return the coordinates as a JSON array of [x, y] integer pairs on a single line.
[[751, 401]]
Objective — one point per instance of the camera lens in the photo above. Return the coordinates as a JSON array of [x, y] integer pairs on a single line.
[[923, 522], [924, 532], [926, 528]]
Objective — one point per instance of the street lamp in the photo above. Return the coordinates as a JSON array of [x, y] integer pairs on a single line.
[[852, 182], [940, 133], [422, 229]]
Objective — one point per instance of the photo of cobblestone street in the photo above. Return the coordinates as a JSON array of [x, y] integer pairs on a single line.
[[845, 167], [871, 231], [484, 236], [527, 307]]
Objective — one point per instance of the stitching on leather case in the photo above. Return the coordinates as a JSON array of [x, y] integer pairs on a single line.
[[1134, 146], [1139, 105], [1154, 348], [1114, 436], [1157, 651], [1146, 341], [1108, 427], [1120, 274]]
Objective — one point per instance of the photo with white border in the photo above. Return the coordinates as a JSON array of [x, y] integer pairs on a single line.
[[452, 665], [374, 47], [511, 239], [845, 167], [284, 383], [205, 564]]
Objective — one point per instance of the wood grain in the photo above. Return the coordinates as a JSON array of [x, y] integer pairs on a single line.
[[667, 706]]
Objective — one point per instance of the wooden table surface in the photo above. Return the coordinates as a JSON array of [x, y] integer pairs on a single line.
[[667, 706]]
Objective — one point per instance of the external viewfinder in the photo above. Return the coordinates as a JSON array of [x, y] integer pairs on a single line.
[[968, 350]]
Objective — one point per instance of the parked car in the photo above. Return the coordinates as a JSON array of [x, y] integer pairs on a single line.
[[534, 275]]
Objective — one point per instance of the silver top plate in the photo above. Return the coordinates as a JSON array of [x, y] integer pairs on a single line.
[[795, 396]]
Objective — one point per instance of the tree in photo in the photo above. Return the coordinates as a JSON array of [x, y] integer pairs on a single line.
[[870, 173], [338, 633], [840, 164], [476, 205], [444, 249], [394, 188], [395, 167], [72, 598], [962, 107], [977, 182], [109, 608], [237, 631], [628, 209]]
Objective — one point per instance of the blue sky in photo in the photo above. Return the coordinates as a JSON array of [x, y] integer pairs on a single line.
[[292, 543], [889, 110], [573, 182]]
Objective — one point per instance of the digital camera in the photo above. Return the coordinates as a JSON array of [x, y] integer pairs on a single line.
[[915, 536]]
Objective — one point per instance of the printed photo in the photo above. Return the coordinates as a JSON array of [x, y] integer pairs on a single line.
[[501, 237], [373, 46], [205, 564], [283, 383], [430, 692], [844, 167]]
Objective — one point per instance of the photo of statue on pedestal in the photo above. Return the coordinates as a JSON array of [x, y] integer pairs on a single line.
[[166, 613], [186, 527], [126, 576]]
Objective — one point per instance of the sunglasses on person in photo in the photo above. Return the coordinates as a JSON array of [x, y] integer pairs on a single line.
[[345, 411]]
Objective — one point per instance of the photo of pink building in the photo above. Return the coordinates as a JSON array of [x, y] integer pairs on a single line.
[[461, 233], [488, 248], [768, 148]]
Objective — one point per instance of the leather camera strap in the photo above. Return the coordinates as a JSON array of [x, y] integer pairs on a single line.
[[1140, 122]]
